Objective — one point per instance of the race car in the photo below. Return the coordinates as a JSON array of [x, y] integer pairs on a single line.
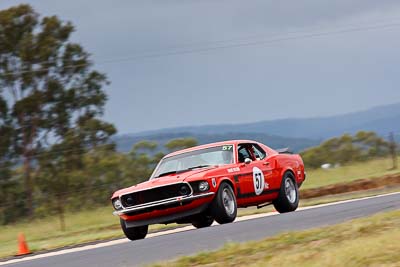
[[208, 183]]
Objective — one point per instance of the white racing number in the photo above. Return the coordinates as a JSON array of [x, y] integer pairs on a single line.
[[258, 181]]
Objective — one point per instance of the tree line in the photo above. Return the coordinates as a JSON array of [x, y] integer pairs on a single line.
[[347, 148]]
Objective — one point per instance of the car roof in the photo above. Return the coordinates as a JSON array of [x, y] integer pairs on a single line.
[[229, 142]]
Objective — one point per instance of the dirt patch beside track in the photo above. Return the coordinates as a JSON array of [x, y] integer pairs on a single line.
[[357, 185]]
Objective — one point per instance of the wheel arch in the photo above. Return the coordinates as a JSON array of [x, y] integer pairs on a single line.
[[289, 170], [227, 180]]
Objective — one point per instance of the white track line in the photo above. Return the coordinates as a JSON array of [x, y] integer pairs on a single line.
[[182, 229]]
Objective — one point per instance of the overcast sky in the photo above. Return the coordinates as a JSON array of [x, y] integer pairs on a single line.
[[300, 74]]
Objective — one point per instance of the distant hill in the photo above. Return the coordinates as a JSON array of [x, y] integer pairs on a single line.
[[295, 133], [125, 142]]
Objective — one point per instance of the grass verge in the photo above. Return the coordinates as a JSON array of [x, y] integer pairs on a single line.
[[360, 170], [371, 241]]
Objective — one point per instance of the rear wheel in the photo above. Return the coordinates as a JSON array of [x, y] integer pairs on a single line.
[[134, 233], [202, 220], [224, 207], [288, 199]]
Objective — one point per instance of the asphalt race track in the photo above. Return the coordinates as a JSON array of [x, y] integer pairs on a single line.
[[169, 246]]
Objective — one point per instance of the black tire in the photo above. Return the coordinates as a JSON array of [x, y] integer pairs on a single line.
[[288, 199], [202, 220], [134, 233], [224, 206]]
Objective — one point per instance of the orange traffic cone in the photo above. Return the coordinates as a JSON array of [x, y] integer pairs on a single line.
[[22, 245]]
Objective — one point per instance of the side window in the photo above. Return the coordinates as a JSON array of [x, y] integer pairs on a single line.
[[243, 153], [259, 153]]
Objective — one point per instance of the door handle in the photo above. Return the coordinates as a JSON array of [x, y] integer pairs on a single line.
[[266, 163]]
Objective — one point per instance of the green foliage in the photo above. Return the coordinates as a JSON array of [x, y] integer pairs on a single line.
[[180, 143], [91, 182], [360, 147], [145, 145], [8, 187]]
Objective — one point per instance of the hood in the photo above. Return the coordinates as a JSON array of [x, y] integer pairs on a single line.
[[169, 179]]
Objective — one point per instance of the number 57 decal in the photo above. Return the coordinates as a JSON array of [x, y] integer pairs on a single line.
[[258, 181]]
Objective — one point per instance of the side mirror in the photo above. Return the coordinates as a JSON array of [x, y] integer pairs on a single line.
[[247, 160]]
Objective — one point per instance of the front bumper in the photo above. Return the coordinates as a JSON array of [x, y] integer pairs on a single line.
[[159, 204]]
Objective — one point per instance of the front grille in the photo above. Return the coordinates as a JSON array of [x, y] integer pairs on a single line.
[[155, 194]]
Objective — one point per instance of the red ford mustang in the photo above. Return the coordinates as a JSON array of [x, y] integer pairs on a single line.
[[209, 182]]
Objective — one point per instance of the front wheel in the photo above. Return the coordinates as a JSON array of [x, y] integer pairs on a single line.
[[288, 199], [202, 220], [224, 207], [134, 233]]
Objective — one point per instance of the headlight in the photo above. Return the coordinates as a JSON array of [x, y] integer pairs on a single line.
[[184, 190], [117, 204], [203, 186]]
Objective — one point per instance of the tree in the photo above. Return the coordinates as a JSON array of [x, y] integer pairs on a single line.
[[180, 143], [345, 149], [63, 172], [146, 146], [6, 134], [7, 186], [56, 98]]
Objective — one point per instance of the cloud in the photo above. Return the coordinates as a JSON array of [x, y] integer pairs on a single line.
[[304, 77]]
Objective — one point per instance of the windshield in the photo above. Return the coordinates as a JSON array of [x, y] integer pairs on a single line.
[[201, 158]]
